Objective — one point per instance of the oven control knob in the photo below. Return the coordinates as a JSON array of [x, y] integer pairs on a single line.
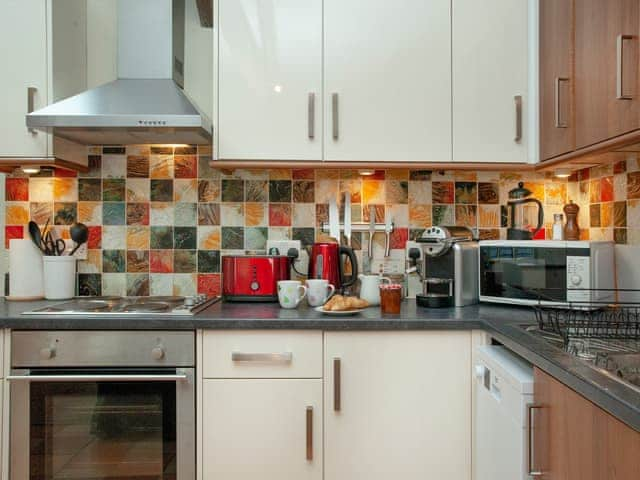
[[189, 302], [157, 353], [479, 371], [47, 353], [255, 285], [576, 279]]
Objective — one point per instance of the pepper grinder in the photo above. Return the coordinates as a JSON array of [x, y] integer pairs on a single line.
[[571, 228]]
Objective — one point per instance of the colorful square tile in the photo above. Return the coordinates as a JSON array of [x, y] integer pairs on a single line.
[[160, 165], [186, 166], [442, 192], [304, 191], [161, 238], [41, 212], [397, 174], [114, 284], [325, 190], [138, 214], [114, 149], [303, 174], [185, 214], [232, 238], [620, 214], [89, 284], [399, 237], [89, 189], [606, 214], [606, 189], [185, 190], [138, 190], [594, 215], [113, 261], [138, 238], [442, 215], [232, 190], [397, 191], [138, 166], [161, 190], [489, 234], [304, 214], [280, 190], [41, 189], [161, 284], [161, 213], [208, 261], [466, 192], [488, 193], [95, 237], [594, 191], [279, 215], [137, 261], [114, 237], [12, 232], [306, 236], [65, 213], [17, 213], [255, 214], [113, 190], [137, 284], [255, 238], [161, 261], [420, 193], [373, 191], [489, 216], [466, 215], [420, 215], [185, 238], [209, 190], [209, 284], [185, 284], [184, 261], [555, 193], [95, 167], [232, 214], [279, 174], [420, 175], [620, 167], [114, 166], [620, 235], [16, 189], [633, 185], [205, 170], [208, 214], [209, 238], [256, 191], [185, 150]]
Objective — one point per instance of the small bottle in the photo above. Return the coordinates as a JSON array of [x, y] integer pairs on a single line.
[[558, 229]]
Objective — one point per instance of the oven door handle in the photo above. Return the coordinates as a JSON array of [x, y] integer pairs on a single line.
[[98, 378]]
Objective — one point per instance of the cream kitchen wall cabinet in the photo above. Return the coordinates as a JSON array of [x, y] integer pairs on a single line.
[[269, 100], [25, 75], [397, 405], [387, 80], [493, 81]]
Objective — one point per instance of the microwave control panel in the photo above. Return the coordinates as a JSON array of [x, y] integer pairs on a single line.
[[578, 276]]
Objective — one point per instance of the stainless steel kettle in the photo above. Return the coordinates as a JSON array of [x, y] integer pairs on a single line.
[[524, 212]]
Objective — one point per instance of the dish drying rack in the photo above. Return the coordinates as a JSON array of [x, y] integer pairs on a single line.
[[611, 320]]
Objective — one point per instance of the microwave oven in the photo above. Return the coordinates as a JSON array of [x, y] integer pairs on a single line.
[[547, 272]]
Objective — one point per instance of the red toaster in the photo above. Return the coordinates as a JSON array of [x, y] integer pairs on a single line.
[[253, 278]]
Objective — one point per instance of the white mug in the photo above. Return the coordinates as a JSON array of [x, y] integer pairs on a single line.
[[291, 293], [370, 287], [319, 291]]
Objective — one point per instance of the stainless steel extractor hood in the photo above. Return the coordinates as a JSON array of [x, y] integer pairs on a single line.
[[143, 107]]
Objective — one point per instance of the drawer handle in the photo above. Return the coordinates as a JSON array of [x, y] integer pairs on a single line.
[[530, 469], [337, 400], [309, 423], [558, 122], [620, 95], [284, 357], [335, 127], [31, 102], [311, 116], [518, 103]]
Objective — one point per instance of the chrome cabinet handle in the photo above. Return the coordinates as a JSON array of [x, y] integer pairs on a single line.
[[309, 423], [311, 112], [97, 378], [337, 398], [31, 101], [530, 470], [620, 67], [334, 116], [284, 357], [558, 122], [518, 101]]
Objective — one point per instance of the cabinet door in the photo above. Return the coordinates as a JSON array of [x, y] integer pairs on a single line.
[[23, 49], [557, 124], [270, 79], [606, 69], [387, 80], [576, 440], [261, 429], [490, 79], [404, 405]]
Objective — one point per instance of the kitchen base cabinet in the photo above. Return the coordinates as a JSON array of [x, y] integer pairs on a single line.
[[397, 405], [573, 439], [269, 429]]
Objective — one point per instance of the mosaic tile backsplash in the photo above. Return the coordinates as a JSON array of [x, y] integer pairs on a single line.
[[160, 217]]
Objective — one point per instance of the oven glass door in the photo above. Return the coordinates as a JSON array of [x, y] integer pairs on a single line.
[[101, 429], [524, 273]]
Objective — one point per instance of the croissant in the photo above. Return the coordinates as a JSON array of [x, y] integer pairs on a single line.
[[340, 303]]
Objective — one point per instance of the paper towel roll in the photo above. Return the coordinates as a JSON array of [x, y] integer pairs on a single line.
[[25, 271]]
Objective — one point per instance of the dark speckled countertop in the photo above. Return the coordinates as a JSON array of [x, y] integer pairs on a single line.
[[504, 323]]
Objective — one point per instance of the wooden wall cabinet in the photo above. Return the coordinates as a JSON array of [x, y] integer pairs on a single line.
[[573, 439]]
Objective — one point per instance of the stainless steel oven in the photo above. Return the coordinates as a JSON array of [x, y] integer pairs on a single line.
[[102, 405]]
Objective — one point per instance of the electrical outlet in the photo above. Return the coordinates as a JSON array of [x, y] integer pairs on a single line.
[[411, 245], [283, 246]]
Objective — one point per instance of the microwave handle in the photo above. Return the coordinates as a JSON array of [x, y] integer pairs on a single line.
[[98, 378]]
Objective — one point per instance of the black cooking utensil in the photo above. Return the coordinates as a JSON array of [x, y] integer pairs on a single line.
[[79, 234], [54, 246], [36, 236]]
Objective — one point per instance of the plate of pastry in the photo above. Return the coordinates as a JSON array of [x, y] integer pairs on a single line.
[[340, 305]]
